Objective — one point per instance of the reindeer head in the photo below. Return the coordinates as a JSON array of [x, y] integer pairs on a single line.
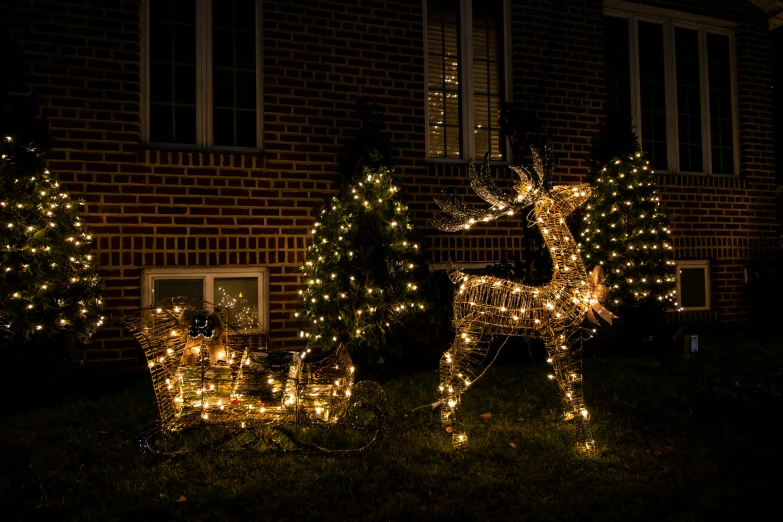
[[535, 187]]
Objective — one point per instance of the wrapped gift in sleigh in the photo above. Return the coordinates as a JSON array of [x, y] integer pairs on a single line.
[[207, 372]]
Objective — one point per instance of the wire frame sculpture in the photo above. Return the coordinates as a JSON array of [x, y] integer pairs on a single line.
[[486, 306], [205, 372]]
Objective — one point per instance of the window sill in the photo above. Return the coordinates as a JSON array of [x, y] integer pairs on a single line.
[[173, 147], [695, 174], [449, 161], [192, 157]]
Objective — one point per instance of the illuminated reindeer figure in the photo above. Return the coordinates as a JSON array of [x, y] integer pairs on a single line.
[[485, 306]]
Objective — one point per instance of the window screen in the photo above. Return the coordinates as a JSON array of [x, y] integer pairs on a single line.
[[172, 72], [693, 288], [166, 288], [653, 96], [234, 86], [443, 78], [686, 45], [618, 74], [240, 295], [488, 90], [721, 127]]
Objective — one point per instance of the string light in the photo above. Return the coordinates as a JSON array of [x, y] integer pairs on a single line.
[[41, 233], [204, 371], [340, 298], [485, 306], [641, 273]]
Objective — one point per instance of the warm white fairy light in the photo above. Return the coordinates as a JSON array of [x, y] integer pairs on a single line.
[[334, 273], [485, 306], [645, 245], [241, 385], [31, 236]]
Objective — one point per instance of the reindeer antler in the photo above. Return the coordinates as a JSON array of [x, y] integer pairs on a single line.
[[461, 217], [543, 166], [485, 187]]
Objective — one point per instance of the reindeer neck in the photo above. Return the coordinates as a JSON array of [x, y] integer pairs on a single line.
[[566, 258]]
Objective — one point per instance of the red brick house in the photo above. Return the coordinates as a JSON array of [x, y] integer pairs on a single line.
[[200, 134]]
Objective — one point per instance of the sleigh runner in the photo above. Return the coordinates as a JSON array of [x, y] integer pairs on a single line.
[[205, 372]]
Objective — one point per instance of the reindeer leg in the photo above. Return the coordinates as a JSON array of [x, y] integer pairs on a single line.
[[566, 362], [458, 368]]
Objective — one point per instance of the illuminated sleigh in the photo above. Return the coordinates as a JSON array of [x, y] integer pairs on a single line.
[[208, 373]]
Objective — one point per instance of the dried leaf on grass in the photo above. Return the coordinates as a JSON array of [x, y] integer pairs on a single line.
[[485, 416], [181, 498], [512, 445]]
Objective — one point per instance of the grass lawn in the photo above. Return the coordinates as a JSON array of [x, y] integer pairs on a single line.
[[677, 441]]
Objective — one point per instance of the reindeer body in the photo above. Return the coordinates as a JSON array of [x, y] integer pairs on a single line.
[[485, 306]]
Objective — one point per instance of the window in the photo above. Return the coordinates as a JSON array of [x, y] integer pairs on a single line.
[[202, 80], [245, 290], [465, 43], [693, 285], [673, 79]]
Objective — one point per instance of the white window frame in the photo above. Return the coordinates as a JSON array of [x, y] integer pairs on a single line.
[[704, 264], [671, 19], [207, 276], [468, 143], [204, 126]]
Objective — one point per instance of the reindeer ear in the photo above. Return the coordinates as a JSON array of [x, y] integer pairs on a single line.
[[537, 172], [217, 319], [549, 166], [217, 323], [186, 317]]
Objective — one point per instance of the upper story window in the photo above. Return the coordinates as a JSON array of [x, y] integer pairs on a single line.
[[674, 81], [202, 73], [465, 78]]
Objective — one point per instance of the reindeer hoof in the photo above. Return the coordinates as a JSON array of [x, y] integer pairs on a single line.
[[459, 441]]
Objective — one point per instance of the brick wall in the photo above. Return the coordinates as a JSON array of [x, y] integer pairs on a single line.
[[161, 208], [557, 61]]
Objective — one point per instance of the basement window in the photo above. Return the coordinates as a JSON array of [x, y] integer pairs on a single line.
[[245, 290], [693, 285]]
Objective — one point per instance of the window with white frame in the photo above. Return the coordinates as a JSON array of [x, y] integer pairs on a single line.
[[693, 285], [672, 76], [466, 85], [244, 290], [202, 74]]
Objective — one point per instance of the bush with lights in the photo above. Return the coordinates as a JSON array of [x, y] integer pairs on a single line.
[[364, 271], [50, 299], [627, 231]]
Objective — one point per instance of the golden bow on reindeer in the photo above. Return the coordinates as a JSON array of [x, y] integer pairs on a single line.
[[597, 296]]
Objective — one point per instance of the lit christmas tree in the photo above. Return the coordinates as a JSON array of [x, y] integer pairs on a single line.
[[50, 298], [364, 271], [627, 231]]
